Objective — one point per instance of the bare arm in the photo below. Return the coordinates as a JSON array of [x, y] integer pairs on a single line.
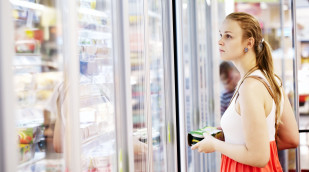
[[139, 147], [58, 135], [288, 136], [256, 150]]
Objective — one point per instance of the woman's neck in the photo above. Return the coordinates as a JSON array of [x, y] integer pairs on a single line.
[[245, 64]]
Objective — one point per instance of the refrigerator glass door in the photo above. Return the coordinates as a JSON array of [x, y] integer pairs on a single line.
[[197, 73], [138, 84], [147, 79], [97, 116], [157, 90], [38, 82]]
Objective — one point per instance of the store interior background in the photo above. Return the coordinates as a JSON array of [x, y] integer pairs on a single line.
[[133, 71]]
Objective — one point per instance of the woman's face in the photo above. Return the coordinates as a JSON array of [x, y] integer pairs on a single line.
[[231, 45]]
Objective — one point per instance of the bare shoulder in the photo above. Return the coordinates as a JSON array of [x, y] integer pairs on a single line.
[[253, 98], [252, 87]]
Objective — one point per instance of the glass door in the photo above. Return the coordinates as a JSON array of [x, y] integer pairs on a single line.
[[302, 43], [152, 119], [97, 102], [197, 74], [38, 74], [138, 84]]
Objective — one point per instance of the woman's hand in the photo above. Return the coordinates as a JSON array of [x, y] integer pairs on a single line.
[[139, 147], [206, 145]]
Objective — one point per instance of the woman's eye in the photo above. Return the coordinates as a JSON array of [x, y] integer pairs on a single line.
[[228, 36], [220, 35]]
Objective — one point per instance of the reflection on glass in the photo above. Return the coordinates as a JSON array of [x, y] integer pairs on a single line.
[[197, 54], [303, 79], [38, 67], [187, 78], [147, 72], [97, 117], [138, 70], [155, 46]]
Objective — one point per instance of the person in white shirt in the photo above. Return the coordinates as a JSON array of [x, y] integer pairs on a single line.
[[259, 118]]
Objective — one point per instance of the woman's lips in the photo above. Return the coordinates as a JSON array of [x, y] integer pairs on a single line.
[[221, 51]]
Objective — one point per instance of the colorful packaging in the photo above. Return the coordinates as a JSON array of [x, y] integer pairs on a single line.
[[197, 135], [26, 135], [26, 152]]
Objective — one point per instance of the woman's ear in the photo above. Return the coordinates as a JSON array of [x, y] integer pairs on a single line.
[[250, 42]]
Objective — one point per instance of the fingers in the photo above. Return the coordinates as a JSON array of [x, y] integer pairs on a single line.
[[195, 146]]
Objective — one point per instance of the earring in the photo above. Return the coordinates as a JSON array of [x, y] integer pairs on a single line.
[[246, 50]]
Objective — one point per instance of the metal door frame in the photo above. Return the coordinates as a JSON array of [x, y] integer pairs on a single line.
[[8, 153], [295, 76], [122, 73], [169, 86]]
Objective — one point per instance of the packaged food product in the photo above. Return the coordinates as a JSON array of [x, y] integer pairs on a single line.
[[29, 133], [197, 135], [26, 152], [43, 95], [25, 135], [25, 46]]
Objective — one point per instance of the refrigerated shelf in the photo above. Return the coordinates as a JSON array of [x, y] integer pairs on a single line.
[[37, 157], [92, 12], [102, 136], [29, 5], [18, 64], [94, 34]]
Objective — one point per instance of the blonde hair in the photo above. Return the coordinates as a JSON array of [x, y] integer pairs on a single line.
[[251, 28]]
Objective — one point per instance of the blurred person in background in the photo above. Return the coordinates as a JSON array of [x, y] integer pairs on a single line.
[[229, 77], [259, 120], [58, 104]]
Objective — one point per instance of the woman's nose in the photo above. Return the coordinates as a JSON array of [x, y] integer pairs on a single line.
[[220, 42]]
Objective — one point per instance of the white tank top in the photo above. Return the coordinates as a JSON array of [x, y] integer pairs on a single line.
[[231, 122]]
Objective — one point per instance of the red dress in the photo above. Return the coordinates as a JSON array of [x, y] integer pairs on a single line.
[[230, 165]]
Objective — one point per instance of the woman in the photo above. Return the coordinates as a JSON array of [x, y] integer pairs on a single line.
[[259, 118]]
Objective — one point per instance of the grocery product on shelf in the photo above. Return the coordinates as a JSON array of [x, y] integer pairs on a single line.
[[26, 152], [28, 138], [100, 158]]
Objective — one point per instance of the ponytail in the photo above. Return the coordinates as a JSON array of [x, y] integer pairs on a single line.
[[265, 64]]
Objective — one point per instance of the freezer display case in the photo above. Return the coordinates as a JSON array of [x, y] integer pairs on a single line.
[[150, 111], [97, 116], [198, 78], [37, 68], [71, 86]]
